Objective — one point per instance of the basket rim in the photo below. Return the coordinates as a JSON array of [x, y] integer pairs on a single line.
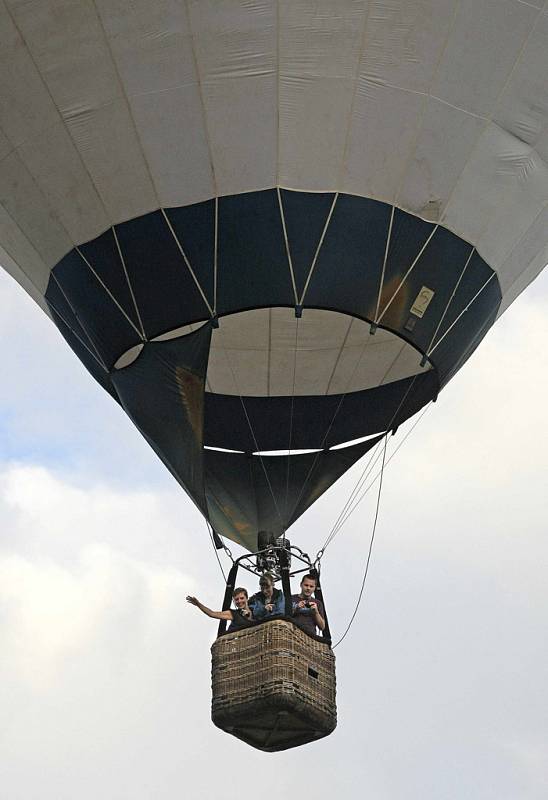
[[277, 618]]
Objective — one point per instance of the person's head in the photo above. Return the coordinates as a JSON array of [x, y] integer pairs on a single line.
[[239, 596], [308, 585], [266, 583]]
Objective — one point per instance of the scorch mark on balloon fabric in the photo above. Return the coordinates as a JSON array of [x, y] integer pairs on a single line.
[[191, 389]]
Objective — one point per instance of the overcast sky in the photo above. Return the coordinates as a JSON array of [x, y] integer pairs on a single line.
[[105, 670]]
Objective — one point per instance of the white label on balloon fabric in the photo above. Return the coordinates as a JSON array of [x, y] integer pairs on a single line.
[[422, 301]]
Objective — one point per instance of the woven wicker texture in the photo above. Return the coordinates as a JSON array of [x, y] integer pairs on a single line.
[[273, 686]]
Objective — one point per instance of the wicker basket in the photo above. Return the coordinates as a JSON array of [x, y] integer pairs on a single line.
[[273, 686]]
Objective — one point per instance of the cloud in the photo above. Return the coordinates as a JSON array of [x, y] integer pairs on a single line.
[[53, 613], [67, 595]]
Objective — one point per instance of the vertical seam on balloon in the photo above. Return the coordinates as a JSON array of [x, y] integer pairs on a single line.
[[210, 157], [61, 118], [31, 244], [207, 381], [464, 310], [393, 363], [107, 290], [366, 343], [278, 92], [521, 238], [345, 339], [408, 273], [122, 259], [287, 250], [386, 249], [215, 254], [488, 120], [453, 293], [187, 262], [532, 149], [422, 114], [80, 322], [128, 104], [355, 82], [269, 355], [316, 254], [77, 336], [291, 413], [202, 103], [258, 449], [62, 228], [333, 418], [71, 240]]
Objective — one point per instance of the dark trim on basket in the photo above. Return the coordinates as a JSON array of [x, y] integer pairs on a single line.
[[275, 618], [227, 601], [319, 595], [286, 586]]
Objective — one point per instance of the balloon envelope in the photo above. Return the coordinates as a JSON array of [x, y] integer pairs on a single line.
[[272, 227]]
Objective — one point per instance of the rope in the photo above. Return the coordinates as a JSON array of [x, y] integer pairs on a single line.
[[368, 561], [210, 532], [388, 427], [347, 511], [373, 458]]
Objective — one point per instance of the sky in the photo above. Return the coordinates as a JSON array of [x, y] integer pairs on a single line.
[[105, 670]]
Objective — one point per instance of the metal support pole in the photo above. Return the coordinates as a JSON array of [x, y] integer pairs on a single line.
[[227, 602], [326, 633], [286, 586]]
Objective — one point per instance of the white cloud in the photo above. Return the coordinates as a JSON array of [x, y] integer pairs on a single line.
[[54, 613]]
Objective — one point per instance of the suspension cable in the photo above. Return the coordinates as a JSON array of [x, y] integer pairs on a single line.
[[331, 423], [368, 468], [210, 532], [388, 460], [351, 505], [368, 560]]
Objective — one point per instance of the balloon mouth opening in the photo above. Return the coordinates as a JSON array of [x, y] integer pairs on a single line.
[[270, 352]]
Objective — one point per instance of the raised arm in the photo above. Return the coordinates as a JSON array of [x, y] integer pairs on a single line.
[[207, 611]]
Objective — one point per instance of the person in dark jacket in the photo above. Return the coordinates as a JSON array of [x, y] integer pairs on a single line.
[[308, 613], [240, 617], [269, 601]]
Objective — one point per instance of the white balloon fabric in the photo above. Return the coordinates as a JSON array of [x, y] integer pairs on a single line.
[[302, 174]]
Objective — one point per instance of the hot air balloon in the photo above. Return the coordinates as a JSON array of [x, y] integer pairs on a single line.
[[272, 231]]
